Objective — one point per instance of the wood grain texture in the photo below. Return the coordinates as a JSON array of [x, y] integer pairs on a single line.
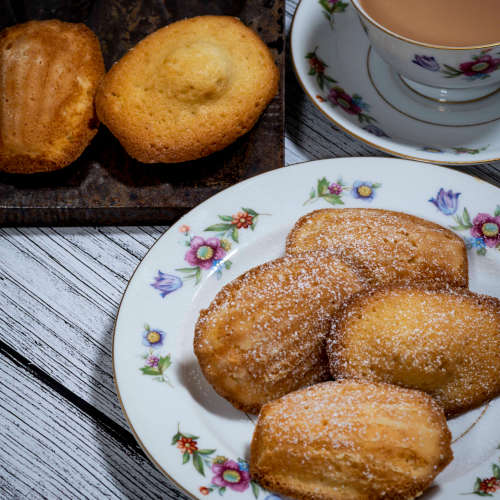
[[61, 427], [53, 449]]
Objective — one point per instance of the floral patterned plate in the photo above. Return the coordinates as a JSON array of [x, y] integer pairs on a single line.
[[353, 87], [194, 436]]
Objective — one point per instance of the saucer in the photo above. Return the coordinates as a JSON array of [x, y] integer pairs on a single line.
[[351, 85]]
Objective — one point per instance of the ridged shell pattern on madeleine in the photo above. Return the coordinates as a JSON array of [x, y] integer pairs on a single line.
[[49, 73], [188, 89], [388, 246], [264, 333], [350, 441], [444, 342]]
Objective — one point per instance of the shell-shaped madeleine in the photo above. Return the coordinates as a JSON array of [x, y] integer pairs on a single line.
[[49, 72], [389, 246], [350, 440], [264, 333], [443, 342], [188, 89]]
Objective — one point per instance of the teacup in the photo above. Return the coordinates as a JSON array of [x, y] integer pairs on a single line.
[[446, 74]]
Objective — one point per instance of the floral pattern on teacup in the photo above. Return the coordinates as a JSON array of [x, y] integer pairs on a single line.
[[478, 68]]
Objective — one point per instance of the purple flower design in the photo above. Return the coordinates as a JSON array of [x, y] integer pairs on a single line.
[[231, 475], [166, 283], [446, 201], [153, 338], [203, 252], [426, 62], [335, 188], [486, 227], [364, 190]]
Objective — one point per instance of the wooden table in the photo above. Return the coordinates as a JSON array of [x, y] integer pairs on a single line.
[[62, 431]]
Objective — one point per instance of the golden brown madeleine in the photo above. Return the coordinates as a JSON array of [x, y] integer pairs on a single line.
[[350, 440], [188, 89], [444, 342], [49, 73], [264, 333], [388, 246]]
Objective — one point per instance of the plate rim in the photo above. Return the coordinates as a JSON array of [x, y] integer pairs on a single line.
[[412, 162], [351, 132]]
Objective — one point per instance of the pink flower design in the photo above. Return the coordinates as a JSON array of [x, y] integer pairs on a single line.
[[486, 227], [203, 252], [338, 97], [184, 228], [335, 188], [480, 66], [229, 474], [152, 361]]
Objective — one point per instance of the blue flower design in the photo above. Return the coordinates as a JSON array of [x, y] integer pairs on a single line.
[[153, 338], [446, 201], [426, 62], [166, 283], [373, 129], [272, 497], [364, 190], [358, 101], [474, 242], [242, 464]]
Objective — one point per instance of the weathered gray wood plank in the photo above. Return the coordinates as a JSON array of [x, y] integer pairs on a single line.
[[51, 449]]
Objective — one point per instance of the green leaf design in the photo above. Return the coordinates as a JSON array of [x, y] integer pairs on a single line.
[[186, 269], [228, 264], [226, 218], [198, 275], [376, 185], [477, 483], [190, 436], [234, 234], [496, 471], [496, 214], [312, 194], [255, 489], [147, 327], [250, 211], [206, 452], [222, 490], [322, 186], [176, 438], [149, 370], [333, 199], [466, 217], [164, 363], [198, 463], [185, 458], [219, 227]]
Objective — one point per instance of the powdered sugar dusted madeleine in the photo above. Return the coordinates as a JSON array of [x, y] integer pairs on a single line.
[[350, 440], [444, 342], [388, 246], [264, 333], [49, 73], [188, 89]]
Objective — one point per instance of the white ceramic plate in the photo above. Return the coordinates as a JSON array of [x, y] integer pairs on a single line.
[[164, 395], [356, 90]]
